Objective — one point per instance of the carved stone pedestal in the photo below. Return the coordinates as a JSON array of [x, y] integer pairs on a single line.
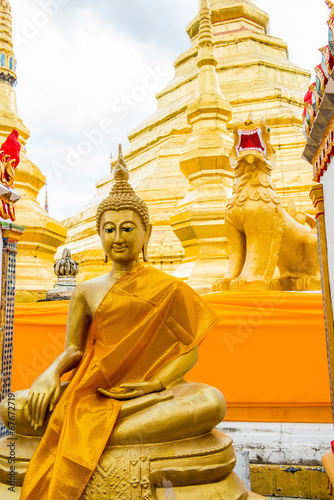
[[190, 469], [66, 269]]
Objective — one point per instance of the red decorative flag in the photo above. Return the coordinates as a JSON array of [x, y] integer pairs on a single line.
[[12, 148], [308, 96]]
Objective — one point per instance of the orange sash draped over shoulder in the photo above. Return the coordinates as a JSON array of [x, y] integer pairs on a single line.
[[146, 319]]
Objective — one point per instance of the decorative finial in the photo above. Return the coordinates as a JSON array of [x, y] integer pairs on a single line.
[[46, 203], [207, 61], [66, 266], [205, 37], [330, 5], [7, 61], [66, 269], [204, 4]]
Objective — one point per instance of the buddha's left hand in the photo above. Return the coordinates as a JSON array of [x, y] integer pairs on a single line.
[[131, 391]]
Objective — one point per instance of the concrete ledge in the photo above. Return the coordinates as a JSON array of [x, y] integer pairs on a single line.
[[281, 443], [290, 481]]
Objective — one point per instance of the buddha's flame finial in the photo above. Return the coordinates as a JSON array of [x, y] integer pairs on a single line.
[[121, 172], [5, 6], [123, 196]]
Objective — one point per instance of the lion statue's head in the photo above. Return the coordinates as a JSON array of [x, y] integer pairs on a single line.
[[252, 146]]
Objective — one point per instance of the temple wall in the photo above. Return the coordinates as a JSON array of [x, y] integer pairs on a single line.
[[328, 187]]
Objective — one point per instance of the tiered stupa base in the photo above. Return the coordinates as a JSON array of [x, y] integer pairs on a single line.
[[191, 469]]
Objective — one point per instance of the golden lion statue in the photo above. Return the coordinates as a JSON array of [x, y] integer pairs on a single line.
[[262, 236]]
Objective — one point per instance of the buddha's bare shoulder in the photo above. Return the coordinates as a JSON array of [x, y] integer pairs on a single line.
[[93, 289]]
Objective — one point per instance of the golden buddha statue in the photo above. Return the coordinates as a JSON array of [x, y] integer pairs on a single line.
[[127, 425]]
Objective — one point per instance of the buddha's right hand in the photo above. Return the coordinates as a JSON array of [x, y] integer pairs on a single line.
[[134, 390], [44, 391]]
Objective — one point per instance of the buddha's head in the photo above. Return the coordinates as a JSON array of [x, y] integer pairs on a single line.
[[122, 220]]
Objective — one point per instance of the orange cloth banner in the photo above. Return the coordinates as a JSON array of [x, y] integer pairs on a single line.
[[267, 355]]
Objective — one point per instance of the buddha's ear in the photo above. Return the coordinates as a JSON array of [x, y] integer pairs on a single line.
[[146, 242]]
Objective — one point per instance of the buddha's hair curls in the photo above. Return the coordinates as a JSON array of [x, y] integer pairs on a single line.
[[122, 197]]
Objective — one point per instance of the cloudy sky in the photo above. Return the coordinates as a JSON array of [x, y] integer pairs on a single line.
[[88, 72]]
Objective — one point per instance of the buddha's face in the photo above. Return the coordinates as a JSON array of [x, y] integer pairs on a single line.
[[122, 235]]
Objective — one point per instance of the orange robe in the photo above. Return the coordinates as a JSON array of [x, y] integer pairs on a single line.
[[146, 319]]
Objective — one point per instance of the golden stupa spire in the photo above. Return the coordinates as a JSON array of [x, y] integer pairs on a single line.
[[205, 36], [198, 219], [7, 60], [46, 202], [207, 61]]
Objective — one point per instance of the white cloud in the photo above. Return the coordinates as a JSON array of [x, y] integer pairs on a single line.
[[88, 59], [301, 23], [81, 90]]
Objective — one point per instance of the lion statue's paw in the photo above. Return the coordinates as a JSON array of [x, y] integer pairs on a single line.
[[308, 284], [238, 284], [253, 283], [221, 286], [280, 284], [275, 285]]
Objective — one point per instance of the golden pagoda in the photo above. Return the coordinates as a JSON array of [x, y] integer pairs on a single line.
[[198, 220], [43, 235], [255, 75]]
